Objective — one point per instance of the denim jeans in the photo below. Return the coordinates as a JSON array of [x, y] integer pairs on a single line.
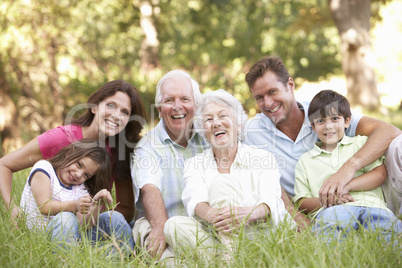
[[338, 221], [65, 228]]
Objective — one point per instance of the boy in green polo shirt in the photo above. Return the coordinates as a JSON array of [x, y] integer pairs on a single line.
[[364, 206]]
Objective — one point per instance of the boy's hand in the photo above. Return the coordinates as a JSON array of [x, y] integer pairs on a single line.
[[84, 204], [103, 195], [346, 198]]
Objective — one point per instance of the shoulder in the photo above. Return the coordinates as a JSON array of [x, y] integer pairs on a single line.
[[43, 164]]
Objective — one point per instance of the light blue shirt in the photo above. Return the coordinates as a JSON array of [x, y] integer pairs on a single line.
[[160, 161], [262, 133]]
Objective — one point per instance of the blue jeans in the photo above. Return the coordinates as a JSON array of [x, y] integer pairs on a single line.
[[65, 228], [338, 221]]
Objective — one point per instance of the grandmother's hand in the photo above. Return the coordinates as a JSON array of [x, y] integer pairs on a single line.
[[229, 219]]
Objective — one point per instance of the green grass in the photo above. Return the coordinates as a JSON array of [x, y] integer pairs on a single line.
[[22, 248]]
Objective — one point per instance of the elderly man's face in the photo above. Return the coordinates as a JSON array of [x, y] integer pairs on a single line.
[[177, 107]]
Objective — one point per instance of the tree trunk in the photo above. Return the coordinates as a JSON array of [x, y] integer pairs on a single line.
[[150, 44], [10, 137], [352, 18]]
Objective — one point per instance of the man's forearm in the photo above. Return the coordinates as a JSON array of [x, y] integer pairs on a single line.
[[380, 135], [154, 206]]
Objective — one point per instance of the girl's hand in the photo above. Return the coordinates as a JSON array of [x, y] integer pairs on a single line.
[[84, 204], [103, 195]]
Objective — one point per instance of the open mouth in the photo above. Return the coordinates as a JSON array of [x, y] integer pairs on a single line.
[[112, 124], [330, 134], [275, 109], [180, 116], [219, 133]]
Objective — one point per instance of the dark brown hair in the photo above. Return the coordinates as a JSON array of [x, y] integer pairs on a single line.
[[91, 149], [123, 143], [326, 103], [272, 64]]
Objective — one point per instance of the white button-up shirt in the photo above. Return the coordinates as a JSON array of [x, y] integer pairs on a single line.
[[254, 169]]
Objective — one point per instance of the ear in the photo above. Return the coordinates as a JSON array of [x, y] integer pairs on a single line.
[[93, 109], [347, 121], [291, 84], [313, 126]]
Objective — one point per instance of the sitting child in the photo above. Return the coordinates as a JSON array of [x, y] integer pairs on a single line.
[[67, 189], [364, 206]]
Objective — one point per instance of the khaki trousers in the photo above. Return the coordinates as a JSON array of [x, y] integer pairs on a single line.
[[392, 187]]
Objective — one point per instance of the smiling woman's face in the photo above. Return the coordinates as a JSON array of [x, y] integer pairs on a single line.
[[220, 125]]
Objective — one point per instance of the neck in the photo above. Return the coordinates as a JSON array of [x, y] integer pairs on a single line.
[[293, 123], [224, 157], [91, 131], [184, 139]]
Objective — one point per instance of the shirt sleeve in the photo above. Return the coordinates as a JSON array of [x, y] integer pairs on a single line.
[[145, 168], [52, 141], [270, 188], [361, 140], [302, 189], [351, 130], [195, 188]]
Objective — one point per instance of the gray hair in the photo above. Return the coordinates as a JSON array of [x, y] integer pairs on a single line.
[[223, 98], [177, 73]]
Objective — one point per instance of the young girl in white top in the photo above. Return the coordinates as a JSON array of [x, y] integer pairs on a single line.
[[71, 185]]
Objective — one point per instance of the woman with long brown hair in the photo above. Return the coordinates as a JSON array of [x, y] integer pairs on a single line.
[[113, 116]]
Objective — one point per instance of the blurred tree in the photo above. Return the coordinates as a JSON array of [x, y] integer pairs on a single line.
[[352, 18], [56, 53]]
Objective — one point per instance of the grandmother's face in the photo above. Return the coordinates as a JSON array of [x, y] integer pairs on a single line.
[[220, 125]]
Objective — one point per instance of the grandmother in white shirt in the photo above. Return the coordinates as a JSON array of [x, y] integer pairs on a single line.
[[231, 187]]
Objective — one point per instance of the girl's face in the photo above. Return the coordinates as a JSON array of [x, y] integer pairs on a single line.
[[220, 125], [112, 114], [78, 172]]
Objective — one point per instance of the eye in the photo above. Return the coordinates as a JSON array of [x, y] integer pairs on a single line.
[[335, 118], [272, 91], [79, 164], [111, 106], [125, 112], [86, 176], [257, 98]]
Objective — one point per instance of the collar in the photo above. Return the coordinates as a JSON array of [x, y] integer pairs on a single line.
[[317, 146], [165, 136], [240, 158]]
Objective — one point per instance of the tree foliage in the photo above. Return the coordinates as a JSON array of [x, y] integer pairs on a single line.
[[56, 53]]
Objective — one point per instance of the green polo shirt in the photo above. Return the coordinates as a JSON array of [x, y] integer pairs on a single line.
[[317, 165]]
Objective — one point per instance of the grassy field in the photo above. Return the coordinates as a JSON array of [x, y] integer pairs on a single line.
[[22, 248]]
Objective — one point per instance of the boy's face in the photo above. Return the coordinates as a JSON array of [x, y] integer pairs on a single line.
[[330, 130]]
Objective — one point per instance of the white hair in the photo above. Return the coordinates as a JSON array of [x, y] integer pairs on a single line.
[[223, 98], [177, 73]]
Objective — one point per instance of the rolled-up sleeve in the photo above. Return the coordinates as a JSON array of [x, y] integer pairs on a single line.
[[145, 168]]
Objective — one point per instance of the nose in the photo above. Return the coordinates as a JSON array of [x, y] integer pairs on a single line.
[[328, 125], [216, 122], [268, 102], [79, 174], [177, 106]]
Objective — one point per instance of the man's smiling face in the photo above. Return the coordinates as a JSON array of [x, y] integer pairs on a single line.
[[177, 107]]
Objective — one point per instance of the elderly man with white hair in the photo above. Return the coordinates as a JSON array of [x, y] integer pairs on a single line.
[[158, 160]]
